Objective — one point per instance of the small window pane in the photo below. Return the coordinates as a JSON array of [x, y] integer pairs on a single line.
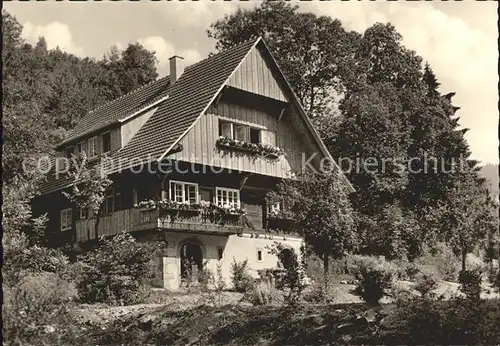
[[240, 132], [106, 142], [225, 130], [255, 136]]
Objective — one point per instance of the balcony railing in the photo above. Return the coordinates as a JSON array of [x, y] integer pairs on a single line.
[[138, 219]]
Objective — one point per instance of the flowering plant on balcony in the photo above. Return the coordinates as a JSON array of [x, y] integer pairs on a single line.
[[254, 148], [146, 204]]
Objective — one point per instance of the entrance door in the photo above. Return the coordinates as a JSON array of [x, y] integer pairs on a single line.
[[191, 262]]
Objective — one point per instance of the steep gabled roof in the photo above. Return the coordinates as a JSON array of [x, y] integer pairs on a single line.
[[120, 108], [188, 98], [184, 102]]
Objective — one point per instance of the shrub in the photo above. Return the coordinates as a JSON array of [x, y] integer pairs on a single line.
[[457, 321], [263, 293], [425, 285], [374, 277], [36, 309], [293, 276], [212, 286], [470, 283], [115, 271], [240, 276], [441, 262]]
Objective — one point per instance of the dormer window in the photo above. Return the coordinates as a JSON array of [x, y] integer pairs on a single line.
[[92, 150], [106, 142]]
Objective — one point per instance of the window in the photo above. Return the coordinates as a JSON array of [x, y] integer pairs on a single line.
[[254, 136], [92, 150], [109, 202], [220, 252], [69, 151], [259, 255], [206, 194], [83, 213], [240, 132], [273, 208], [183, 192], [226, 129], [81, 147], [268, 137], [66, 219], [106, 142], [228, 198]]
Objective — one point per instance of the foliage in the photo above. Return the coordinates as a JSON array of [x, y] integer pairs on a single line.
[[293, 279], [374, 277], [89, 185], [115, 271], [265, 150], [318, 205], [264, 293], [470, 283], [440, 261], [425, 284], [457, 321], [36, 310], [241, 279], [213, 286]]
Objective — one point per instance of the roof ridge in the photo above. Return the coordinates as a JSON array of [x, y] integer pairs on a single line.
[[127, 94], [234, 47]]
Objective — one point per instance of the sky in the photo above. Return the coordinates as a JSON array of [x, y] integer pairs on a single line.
[[458, 39]]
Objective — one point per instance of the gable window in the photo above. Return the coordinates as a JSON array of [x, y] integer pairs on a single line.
[[268, 137], [66, 219], [254, 136], [183, 192], [92, 150], [240, 132], [227, 198], [106, 142]]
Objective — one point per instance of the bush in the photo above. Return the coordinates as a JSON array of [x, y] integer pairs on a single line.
[[115, 272], [425, 285], [263, 293], [470, 283], [441, 262], [212, 286], [240, 276], [375, 276], [36, 310], [457, 321]]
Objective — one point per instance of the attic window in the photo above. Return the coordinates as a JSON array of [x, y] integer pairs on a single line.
[[106, 142]]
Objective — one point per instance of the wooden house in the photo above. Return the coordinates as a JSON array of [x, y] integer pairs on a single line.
[[192, 156]]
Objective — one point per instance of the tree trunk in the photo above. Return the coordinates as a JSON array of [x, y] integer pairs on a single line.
[[325, 274], [464, 257]]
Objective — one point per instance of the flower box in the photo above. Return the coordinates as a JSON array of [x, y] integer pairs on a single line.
[[264, 150]]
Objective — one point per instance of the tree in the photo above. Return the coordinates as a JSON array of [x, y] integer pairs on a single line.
[[313, 52], [90, 183], [319, 207]]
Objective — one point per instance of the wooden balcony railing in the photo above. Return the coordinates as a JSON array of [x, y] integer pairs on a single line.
[[173, 219]]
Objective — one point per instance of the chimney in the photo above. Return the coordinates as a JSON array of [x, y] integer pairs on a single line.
[[176, 67]]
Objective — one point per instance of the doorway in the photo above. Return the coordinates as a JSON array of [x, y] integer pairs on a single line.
[[191, 262]]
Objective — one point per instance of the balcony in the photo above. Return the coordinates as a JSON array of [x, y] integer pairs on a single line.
[[167, 217]]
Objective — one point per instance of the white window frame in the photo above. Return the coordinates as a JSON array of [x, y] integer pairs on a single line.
[[245, 129], [265, 137], [92, 148], [102, 142], [184, 184], [227, 191], [226, 123], [66, 219], [81, 147], [81, 213]]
